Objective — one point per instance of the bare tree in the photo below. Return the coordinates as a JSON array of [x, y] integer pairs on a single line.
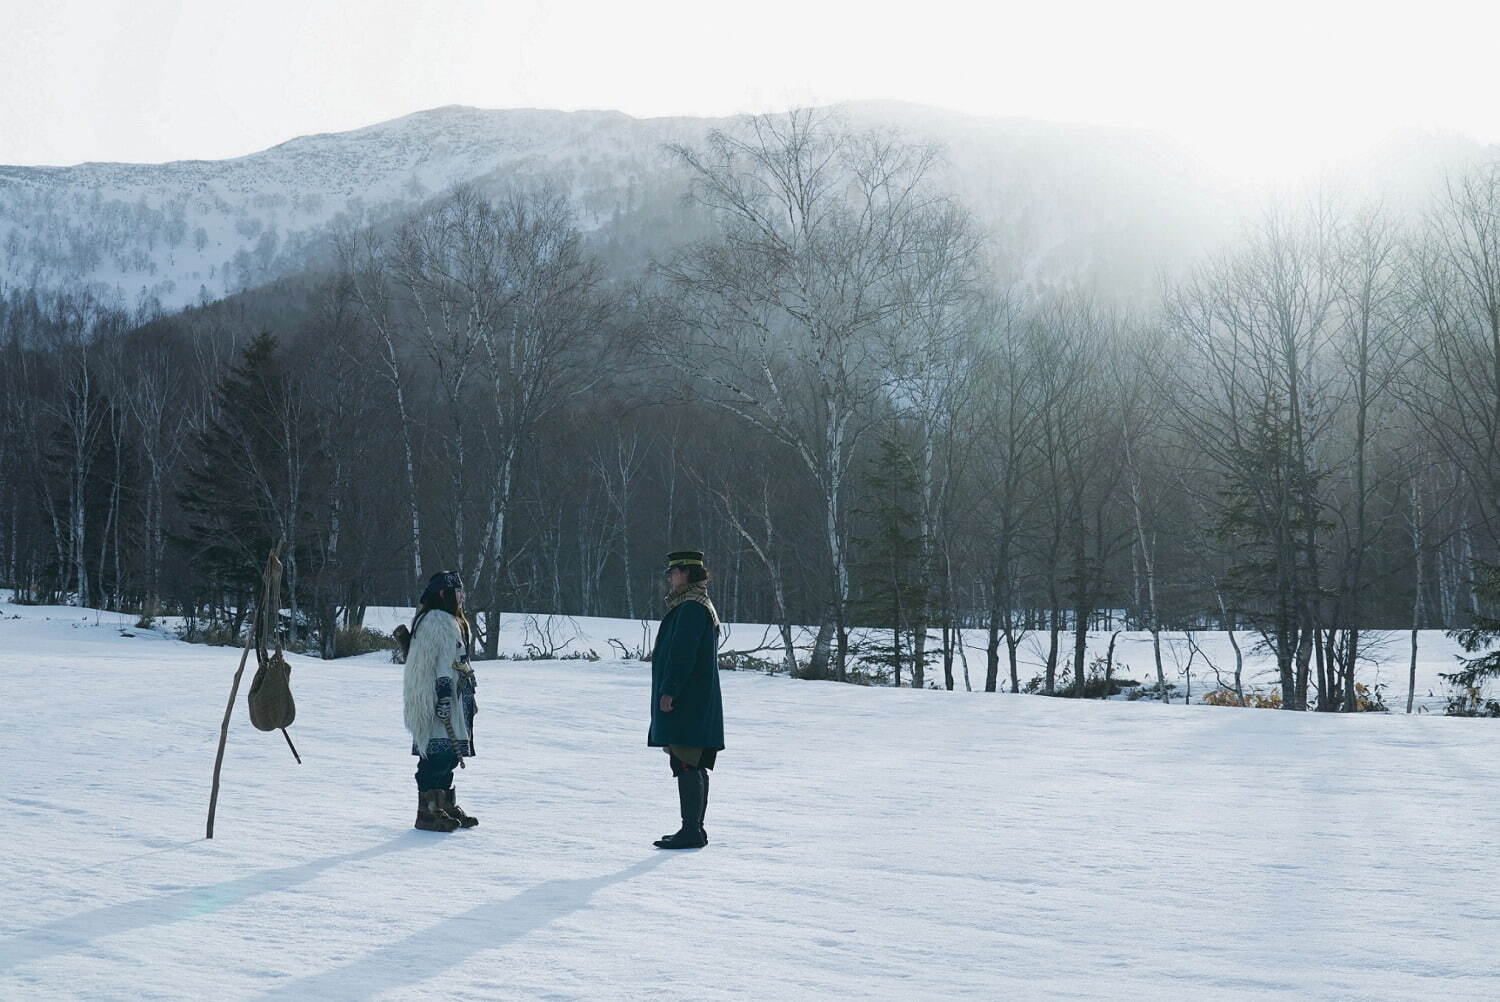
[[784, 311], [617, 465], [364, 259], [80, 411], [1138, 375], [746, 506], [1456, 286], [447, 263], [1253, 396], [1373, 316], [342, 406], [547, 306], [1416, 602], [1011, 403], [931, 350], [1080, 467], [154, 394]]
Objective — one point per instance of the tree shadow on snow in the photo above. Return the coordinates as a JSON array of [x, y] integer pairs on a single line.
[[447, 944], [76, 932]]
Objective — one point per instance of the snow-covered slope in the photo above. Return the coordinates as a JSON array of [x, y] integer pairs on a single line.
[[867, 843], [180, 231], [1114, 207], [1110, 204]]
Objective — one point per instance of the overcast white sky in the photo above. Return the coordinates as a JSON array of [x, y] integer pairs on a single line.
[[1259, 85]]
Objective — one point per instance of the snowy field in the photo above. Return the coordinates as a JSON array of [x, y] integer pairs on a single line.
[[867, 843]]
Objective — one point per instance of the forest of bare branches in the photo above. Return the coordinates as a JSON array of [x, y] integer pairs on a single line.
[[846, 394]]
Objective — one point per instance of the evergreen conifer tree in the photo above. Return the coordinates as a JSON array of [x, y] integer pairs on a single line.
[[1484, 632], [238, 498], [891, 594], [1267, 516]]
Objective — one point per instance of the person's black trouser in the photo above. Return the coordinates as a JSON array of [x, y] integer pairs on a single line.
[[435, 772]]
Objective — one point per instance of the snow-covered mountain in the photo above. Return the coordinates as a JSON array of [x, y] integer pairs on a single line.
[[190, 229], [1114, 206]]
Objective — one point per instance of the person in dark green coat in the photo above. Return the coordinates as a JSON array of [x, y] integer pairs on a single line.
[[687, 711]]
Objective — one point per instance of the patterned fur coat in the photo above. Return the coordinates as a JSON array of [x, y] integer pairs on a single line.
[[439, 687]]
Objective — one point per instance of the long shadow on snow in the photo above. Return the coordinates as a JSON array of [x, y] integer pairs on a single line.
[[447, 944], [76, 932]]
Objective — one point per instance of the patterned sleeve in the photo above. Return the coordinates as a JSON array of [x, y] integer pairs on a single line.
[[444, 697]]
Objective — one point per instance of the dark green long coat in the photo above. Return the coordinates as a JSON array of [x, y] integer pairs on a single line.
[[685, 666]]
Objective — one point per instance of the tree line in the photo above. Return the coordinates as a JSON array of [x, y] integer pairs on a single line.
[[840, 388]]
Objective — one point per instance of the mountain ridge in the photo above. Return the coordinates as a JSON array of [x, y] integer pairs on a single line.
[[1110, 204]]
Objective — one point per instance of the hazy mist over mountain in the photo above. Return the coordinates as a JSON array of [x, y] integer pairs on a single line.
[[1109, 207]]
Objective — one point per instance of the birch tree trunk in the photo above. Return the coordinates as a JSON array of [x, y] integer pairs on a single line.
[[1416, 604]]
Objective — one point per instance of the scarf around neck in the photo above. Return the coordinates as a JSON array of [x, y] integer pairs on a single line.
[[696, 592]]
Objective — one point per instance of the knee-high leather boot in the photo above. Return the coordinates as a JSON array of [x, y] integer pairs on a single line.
[[691, 791]]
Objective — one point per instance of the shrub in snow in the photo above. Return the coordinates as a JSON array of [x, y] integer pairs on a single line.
[[736, 661], [1470, 701], [212, 634], [1156, 690], [1369, 699], [360, 640], [1100, 683], [812, 672], [1255, 700]]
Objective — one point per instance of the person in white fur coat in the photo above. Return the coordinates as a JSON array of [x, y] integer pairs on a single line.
[[439, 701]]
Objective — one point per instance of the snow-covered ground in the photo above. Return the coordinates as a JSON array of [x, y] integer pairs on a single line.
[[867, 843]]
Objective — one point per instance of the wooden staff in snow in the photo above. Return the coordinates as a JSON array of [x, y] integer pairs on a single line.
[[270, 590]]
